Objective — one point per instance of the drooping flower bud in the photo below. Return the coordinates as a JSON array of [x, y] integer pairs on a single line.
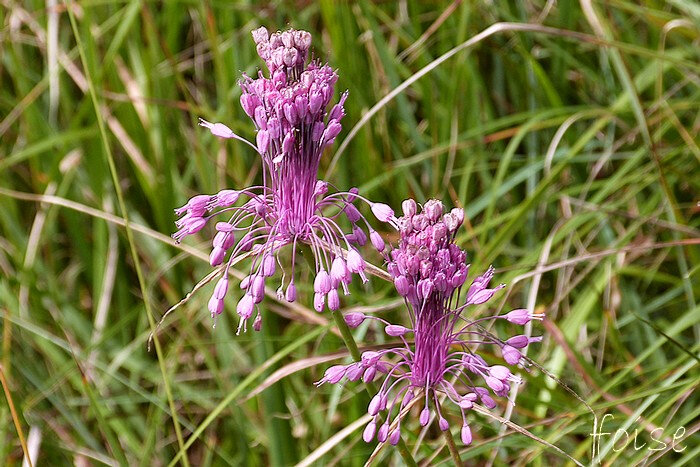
[[382, 212]]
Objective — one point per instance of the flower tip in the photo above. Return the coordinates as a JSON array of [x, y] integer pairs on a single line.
[[333, 300], [291, 294], [354, 319], [217, 129], [319, 302], [522, 316], [424, 416], [377, 240], [215, 305], [368, 434], [322, 282], [466, 435], [396, 330], [409, 207], [382, 212], [374, 405], [245, 306], [394, 437], [383, 433]]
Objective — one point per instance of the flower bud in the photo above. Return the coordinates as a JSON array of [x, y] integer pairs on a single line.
[[355, 262], [354, 319], [402, 286], [334, 374], [484, 295], [352, 213], [339, 271], [409, 207], [258, 288], [215, 305], [495, 384], [424, 416], [382, 212], [396, 330], [319, 302], [260, 35], [522, 316], [245, 306], [226, 198], [511, 355], [394, 437], [224, 227], [321, 188], [377, 240], [521, 341], [368, 434], [291, 294], [332, 131], [269, 265], [333, 300], [322, 283], [433, 209], [374, 405], [466, 435], [383, 432], [221, 288], [262, 139]]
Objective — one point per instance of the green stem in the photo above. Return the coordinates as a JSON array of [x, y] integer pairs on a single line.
[[452, 447], [346, 335]]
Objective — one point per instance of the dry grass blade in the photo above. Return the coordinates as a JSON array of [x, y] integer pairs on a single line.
[[15, 417], [521, 430], [334, 440], [292, 368]]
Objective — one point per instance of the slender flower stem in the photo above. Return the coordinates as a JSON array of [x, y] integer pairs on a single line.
[[346, 334], [452, 447]]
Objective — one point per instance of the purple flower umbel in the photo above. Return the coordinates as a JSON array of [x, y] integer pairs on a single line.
[[292, 206], [429, 271]]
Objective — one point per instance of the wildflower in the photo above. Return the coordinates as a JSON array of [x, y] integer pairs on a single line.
[[430, 271], [293, 126]]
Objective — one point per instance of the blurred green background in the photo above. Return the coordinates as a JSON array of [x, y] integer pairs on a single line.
[[574, 147]]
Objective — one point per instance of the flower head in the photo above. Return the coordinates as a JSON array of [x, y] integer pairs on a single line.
[[430, 270], [293, 125]]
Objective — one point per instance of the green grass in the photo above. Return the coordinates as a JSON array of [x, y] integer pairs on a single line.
[[571, 142]]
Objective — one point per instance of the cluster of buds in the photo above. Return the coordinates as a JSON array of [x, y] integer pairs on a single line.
[[285, 51], [289, 109], [429, 270], [427, 262]]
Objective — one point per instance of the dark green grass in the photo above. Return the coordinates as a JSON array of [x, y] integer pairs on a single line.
[[574, 147]]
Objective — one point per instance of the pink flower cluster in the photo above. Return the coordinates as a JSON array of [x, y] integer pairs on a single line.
[[429, 270], [289, 109]]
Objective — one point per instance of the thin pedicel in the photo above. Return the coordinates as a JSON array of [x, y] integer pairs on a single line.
[[292, 206], [429, 271]]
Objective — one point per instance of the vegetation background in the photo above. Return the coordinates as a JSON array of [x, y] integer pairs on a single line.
[[572, 144]]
